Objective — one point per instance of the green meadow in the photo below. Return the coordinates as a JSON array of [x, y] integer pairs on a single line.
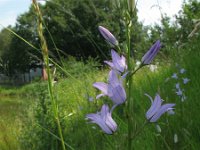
[[26, 121]]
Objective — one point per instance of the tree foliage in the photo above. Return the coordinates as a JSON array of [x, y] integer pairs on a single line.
[[175, 35], [71, 28], [5, 40]]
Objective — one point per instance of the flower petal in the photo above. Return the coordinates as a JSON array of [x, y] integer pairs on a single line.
[[118, 94], [109, 63], [109, 37], [104, 111], [123, 62], [164, 108], [95, 118], [101, 86], [111, 123], [100, 95], [113, 79], [117, 61], [154, 107], [151, 53]]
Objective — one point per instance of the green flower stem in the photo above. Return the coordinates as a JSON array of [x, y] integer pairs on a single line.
[[118, 48], [139, 130], [129, 83], [46, 61], [130, 5], [131, 73]]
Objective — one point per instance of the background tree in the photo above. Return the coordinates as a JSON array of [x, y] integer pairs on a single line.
[[5, 40], [174, 34], [71, 28]]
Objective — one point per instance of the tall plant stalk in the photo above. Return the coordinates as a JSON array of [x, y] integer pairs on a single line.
[[128, 21], [129, 90], [45, 54]]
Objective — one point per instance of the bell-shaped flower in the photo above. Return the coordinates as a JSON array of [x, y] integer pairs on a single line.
[[151, 53], [179, 92], [177, 85], [118, 63], [157, 109], [174, 76], [113, 89], [104, 119], [109, 37], [186, 80], [182, 70]]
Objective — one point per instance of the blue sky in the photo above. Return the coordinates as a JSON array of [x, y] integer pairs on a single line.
[[10, 9], [148, 12]]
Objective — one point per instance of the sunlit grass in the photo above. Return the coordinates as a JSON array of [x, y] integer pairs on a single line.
[[73, 101], [11, 110]]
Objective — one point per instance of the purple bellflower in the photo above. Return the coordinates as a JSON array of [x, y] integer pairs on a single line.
[[109, 37], [177, 85], [157, 109], [179, 92], [182, 70], [114, 89], [186, 80], [171, 112], [174, 76], [118, 63], [104, 119], [151, 53]]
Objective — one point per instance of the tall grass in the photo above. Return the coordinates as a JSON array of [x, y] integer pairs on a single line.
[[11, 110], [74, 104]]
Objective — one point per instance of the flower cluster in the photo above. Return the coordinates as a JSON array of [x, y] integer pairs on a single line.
[[114, 88], [180, 82]]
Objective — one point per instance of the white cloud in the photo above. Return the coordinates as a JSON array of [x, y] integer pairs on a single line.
[[149, 13]]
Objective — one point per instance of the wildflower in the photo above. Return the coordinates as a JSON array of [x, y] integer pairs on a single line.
[[149, 56], [118, 63], [114, 89], [186, 80], [182, 70], [177, 85], [171, 112], [104, 119], [156, 109], [179, 92], [109, 37], [174, 76]]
